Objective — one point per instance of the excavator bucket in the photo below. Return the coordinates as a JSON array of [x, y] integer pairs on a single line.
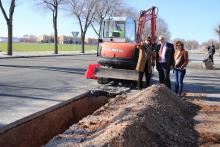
[[90, 72], [112, 73]]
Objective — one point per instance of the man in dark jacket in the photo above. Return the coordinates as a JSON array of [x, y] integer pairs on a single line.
[[211, 51], [164, 60]]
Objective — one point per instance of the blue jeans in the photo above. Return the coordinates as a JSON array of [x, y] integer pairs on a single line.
[[179, 76]]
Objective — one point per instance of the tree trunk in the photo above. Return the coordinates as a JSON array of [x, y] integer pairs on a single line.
[[55, 32], [99, 36], [56, 39], [10, 28], [97, 50], [83, 42]]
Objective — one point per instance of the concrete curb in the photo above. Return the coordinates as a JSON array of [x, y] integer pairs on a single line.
[[46, 55]]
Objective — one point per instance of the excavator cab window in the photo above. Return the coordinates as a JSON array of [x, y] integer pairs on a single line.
[[121, 28], [114, 29]]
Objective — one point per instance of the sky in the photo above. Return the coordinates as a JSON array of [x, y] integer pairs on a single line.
[[186, 19]]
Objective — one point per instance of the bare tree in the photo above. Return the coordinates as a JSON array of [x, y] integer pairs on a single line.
[[191, 44], [217, 30], [124, 10], [178, 39], [104, 8], [161, 29], [210, 42], [188, 44], [53, 6], [9, 21], [84, 11]]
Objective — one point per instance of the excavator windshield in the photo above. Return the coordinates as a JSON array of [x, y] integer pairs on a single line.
[[122, 29], [114, 29]]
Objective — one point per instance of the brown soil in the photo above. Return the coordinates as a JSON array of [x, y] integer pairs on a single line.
[[206, 121], [207, 124], [151, 117], [195, 95]]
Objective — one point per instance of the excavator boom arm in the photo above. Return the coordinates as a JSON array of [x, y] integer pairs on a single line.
[[148, 15]]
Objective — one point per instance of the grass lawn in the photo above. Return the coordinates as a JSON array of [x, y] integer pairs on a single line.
[[33, 47]]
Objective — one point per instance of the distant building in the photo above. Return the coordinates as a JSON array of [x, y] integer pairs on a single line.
[[65, 39], [28, 38], [69, 40], [91, 41], [5, 39], [45, 39]]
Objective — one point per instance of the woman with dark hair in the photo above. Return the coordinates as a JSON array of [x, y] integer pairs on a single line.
[[181, 61]]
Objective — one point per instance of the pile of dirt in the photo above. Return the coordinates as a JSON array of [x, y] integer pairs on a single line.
[[152, 117]]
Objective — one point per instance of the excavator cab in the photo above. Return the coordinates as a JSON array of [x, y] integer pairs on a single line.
[[122, 29], [118, 47]]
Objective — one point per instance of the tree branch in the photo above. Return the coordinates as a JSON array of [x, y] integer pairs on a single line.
[[12, 8], [94, 29], [3, 11]]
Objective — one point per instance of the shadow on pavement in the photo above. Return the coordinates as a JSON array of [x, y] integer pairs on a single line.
[[23, 87], [205, 92], [27, 97], [80, 71]]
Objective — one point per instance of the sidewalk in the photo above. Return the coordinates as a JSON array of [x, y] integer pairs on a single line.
[[203, 83], [42, 54]]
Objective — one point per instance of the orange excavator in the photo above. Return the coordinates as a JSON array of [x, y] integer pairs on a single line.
[[118, 53]]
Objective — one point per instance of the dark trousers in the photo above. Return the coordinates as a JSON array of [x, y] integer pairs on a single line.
[[164, 74], [179, 76], [147, 76], [211, 58]]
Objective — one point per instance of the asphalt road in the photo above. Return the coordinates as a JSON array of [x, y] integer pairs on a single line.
[[28, 85], [203, 81]]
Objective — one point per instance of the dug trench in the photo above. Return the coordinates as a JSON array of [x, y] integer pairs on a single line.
[[151, 117], [39, 128], [154, 116]]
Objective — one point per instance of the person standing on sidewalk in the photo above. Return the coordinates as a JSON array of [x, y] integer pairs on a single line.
[[211, 52], [181, 61], [144, 62], [164, 60]]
